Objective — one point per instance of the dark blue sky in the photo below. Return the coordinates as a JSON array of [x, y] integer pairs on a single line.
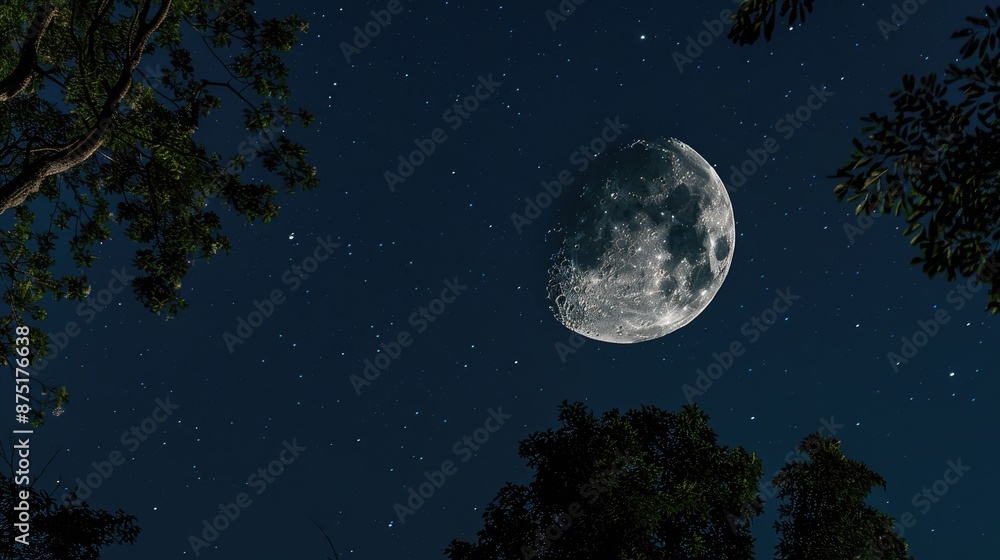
[[446, 232]]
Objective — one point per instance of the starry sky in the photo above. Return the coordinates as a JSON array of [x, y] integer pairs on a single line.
[[347, 268]]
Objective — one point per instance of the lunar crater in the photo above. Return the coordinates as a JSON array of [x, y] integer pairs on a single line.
[[648, 243]]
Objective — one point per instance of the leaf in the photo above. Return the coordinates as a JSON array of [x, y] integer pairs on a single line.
[[769, 28], [874, 177]]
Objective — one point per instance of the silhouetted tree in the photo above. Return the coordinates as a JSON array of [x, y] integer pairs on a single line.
[[824, 516], [652, 484], [647, 484], [100, 102], [58, 531], [935, 159], [754, 16]]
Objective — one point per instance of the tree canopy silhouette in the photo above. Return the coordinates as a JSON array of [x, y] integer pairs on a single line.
[[100, 104], [824, 515], [646, 484], [655, 484], [58, 531], [935, 159], [755, 16]]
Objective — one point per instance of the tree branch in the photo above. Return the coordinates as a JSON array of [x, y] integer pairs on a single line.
[[23, 74], [65, 157], [320, 527]]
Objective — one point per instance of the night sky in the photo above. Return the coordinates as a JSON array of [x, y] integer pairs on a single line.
[[353, 262]]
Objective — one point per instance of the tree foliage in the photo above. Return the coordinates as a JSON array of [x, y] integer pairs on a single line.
[[651, 484], [936, 161], [676, 493], [100, 104], [754, 16], [55, 398], [824, 515], [59, 531]]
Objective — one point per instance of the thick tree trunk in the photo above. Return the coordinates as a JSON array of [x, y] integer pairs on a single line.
[[62, 158]]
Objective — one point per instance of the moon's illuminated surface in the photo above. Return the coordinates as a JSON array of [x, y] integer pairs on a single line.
[[648, 243]]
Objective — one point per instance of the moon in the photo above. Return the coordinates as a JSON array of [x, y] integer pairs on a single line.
[[647, 244]]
